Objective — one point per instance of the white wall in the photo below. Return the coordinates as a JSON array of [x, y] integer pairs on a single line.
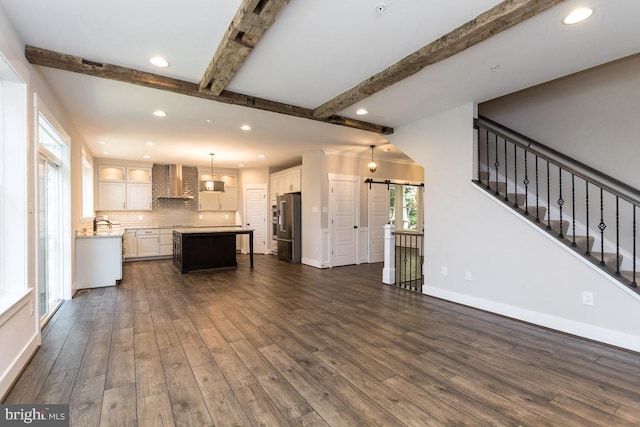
[[516, 269], [591, 116], [316, 167], [19, 328]]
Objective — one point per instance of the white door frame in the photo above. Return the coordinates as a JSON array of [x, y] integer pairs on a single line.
[[267, 218], [352, 178]]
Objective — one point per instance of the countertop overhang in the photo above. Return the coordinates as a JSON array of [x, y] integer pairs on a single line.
[[212, 230]]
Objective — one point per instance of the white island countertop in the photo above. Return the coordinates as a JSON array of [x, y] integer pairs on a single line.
[[98, 234]]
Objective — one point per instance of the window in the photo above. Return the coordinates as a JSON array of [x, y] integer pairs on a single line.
[[13, 188], [87, 186], [405, 207]]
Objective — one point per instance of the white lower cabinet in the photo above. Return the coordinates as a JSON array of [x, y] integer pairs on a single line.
[[148, 242], [130, 243], [98, 261], [166, 242]]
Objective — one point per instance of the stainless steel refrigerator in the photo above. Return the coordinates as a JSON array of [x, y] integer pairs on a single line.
[[289, 244]]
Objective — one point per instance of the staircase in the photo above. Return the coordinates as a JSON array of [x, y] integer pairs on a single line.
[[590, 212]]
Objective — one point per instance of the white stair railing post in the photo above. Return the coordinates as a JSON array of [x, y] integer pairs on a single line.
[[389, 269]]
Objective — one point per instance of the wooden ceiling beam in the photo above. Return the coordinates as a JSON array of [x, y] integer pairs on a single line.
[[252, 20], [494, 21], [76, 64]]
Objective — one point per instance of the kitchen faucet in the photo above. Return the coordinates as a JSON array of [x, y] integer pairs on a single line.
[[96, 221]]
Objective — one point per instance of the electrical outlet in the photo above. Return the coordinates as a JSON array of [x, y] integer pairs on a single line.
[[140, 217], [467, 275], [445, 271], [587, 298], [199, 216]]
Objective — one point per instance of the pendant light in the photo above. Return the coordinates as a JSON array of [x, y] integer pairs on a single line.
[[210, 184], [373, 166]]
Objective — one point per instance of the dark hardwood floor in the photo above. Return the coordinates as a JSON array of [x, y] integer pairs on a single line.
[[286, 344]]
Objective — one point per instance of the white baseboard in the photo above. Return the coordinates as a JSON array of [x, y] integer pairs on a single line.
[[313, 263], [595, 333], [11, 374]]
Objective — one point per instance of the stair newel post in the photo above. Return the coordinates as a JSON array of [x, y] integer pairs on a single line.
[[560, 201], [586, 192], [526, 185], [573, 210], [506, 172], [548, 198], [389, 269], [634, 283], [537, 193], [601, 227], [617, 236], [496, 163]]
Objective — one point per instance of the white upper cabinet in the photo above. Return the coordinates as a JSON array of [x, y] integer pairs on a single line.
[[124, 187], [286, 181], [226, 200]]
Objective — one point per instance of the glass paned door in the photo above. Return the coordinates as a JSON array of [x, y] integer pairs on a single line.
[[49, 237]]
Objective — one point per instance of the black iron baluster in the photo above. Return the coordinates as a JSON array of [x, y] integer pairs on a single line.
[[478, 154], [497, 164], [560, 201], [488, 164], [537, 193], [601, 227], [617, 236], [506, 172], [515, 175], [588, 249], [573, 210], [548, 199], [526, 185], [634, 283]]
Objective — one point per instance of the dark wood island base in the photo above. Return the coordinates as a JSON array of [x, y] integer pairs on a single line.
[[207, 248]]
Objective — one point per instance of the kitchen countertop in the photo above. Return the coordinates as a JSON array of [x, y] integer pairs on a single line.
[[213, 229], [99, 234], [179, 227]]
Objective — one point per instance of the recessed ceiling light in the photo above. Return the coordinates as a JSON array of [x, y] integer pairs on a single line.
[[577, 15], [146, 156], [149, 143], [105, 152], [101, 142], [209, 121], [159, 61], [261, 156], [362, 112], [240, 165], [159, 113], [245, 127]]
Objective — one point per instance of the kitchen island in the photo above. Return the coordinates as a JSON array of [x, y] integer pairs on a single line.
[[206, 248], [98, 259]]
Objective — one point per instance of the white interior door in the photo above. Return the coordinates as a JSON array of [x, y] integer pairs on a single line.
[[378, 202], [256, 217], [344, 198]]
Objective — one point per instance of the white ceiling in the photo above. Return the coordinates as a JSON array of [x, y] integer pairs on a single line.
[[314, 51]]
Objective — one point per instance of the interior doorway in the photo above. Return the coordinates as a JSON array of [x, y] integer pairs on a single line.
[[53, 230], [255, 207], [344, 197]]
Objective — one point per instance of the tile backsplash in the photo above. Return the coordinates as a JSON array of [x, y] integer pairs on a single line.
[[169, 212]]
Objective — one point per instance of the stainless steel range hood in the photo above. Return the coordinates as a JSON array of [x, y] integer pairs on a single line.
[[174, 188]]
